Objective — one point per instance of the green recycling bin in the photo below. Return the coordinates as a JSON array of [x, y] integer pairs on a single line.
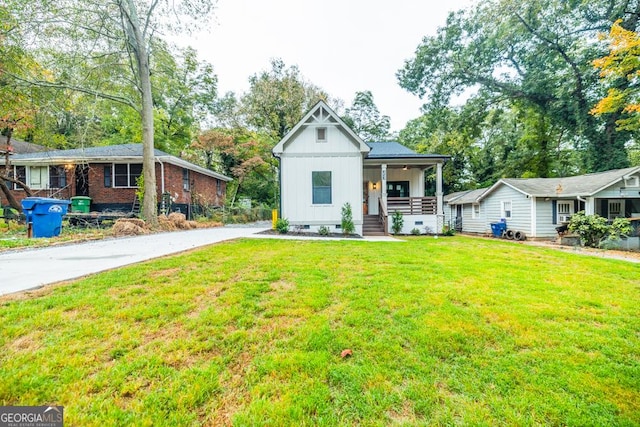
[[81, 204]]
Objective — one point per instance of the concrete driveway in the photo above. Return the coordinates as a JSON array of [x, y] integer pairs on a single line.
[[33, 268]]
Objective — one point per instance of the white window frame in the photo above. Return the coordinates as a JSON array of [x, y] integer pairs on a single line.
[[43, 173], [324, 131], [564, 216], [504, 210], [474, 214], [620, 212]]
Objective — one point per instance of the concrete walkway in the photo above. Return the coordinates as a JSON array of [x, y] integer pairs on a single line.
[[32, 268]]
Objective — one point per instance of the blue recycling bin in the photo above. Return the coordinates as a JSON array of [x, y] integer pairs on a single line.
[[44, 215], [498, 228]]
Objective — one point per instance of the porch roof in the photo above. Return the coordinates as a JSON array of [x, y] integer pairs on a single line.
[[396, 151]]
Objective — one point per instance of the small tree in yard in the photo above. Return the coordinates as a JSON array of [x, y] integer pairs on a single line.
[[397, 222], [347, 220]]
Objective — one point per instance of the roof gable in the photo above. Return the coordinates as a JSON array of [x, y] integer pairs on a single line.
[[320, 114]]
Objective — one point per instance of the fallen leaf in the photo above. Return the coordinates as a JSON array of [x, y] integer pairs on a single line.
[[346, 353]]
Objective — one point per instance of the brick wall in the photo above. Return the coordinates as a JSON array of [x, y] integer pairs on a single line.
[[203, 188]]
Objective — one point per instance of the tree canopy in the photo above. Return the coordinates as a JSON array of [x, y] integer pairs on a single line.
[[533, 57]]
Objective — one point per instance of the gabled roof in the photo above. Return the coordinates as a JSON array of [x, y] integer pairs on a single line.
[[581, 185], [465, 197], [320, 107], [395, 150], [107, 153]]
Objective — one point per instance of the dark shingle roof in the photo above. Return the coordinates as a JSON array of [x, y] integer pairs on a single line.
[[108, 153], [19, 146], [395, 150]]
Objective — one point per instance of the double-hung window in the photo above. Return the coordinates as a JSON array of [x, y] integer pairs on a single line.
[[505, 210], [321, 183]]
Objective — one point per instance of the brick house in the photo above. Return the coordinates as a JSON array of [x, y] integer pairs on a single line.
[[108, 175]]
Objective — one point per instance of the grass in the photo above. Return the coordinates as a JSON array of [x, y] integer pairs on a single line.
[[454, 331], [13, 235]]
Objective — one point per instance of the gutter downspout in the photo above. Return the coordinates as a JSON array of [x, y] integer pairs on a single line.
[[161, 175]]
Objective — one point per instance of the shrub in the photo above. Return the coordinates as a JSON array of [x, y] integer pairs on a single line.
[[347, 220], [323, 230], [282, 225], [397, 222], [416, 232], [595, 230]]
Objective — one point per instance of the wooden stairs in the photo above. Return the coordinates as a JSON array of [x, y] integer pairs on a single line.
[[372, 226]]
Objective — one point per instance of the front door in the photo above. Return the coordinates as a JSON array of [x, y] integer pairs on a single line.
[[82, 180]]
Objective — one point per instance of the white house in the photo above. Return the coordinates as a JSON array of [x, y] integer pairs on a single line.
[[324, 164], [536, 206]]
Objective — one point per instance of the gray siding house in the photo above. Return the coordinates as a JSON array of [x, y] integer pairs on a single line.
[[536, 206]]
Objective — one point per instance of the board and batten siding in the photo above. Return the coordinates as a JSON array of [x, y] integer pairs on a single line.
[[520, 208], [338, 155]]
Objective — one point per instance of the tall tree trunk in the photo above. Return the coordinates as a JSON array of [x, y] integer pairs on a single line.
[[137, 43]]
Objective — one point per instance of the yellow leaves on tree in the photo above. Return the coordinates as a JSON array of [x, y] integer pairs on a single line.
[[621, 68]]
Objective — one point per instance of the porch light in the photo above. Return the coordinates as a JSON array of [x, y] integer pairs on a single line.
[[373, 186]]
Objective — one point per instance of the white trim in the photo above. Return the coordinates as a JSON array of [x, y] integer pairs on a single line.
[[534, 217], [503, 210], [475, 215], [279, 148]]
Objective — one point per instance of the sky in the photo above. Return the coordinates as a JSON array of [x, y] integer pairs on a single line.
[[342, 46]]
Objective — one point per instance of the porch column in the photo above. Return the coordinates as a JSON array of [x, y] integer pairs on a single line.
[[383, 183], [590, 206], [439, 194]]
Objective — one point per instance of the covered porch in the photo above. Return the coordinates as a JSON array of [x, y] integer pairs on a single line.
[[412, 187]]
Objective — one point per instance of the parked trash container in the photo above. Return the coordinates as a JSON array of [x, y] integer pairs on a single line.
[[498, 228], [44, 215], [81, 204]]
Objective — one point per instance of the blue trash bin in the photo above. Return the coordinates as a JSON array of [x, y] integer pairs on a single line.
[[44, 215], [498, 228]]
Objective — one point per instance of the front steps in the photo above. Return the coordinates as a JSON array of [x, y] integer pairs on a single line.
[[372, 226]]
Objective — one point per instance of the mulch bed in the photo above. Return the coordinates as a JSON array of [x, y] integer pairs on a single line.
[[305, 234]]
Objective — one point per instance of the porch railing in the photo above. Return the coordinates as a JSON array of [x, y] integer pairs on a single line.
[[382, 215], [413, 205]]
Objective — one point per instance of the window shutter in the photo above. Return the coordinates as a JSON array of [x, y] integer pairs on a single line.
[[554, 212], [107, 176]]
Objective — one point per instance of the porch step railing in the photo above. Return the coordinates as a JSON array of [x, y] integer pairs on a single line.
[[382, 215], [413, 205]]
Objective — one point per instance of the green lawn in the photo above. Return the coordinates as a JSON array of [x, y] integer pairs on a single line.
[[443, 331]]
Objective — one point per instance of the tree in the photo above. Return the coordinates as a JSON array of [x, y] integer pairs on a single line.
[[620, 69], [277, 99], [87, 46], [536, 53], [365, 119], [244, 155]]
